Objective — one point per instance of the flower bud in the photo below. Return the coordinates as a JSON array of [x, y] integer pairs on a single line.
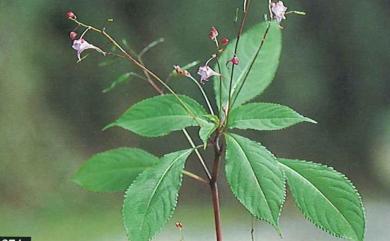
[[70, 15], [179, 225], [213, 33], [72, 35], [235, 60], [225, 41], [180, 71]]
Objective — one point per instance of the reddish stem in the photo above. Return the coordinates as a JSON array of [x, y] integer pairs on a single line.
[[218, 152]]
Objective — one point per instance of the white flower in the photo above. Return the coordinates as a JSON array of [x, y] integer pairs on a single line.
[[80, 45], [279, 11], [206, 72]]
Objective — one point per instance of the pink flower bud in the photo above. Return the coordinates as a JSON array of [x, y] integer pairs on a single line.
[[235, 60], [72, 35], [225, 41], [70, 15], [213, 33]]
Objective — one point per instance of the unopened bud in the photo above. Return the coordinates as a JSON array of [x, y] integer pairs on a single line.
[[235, 60], [213, 33], [225, 41], [180, 71], [70, 15], [179, 225], [72, 35]]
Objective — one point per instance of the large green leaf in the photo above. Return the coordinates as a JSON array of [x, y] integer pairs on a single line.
[[151, 199], [326, 197], [113, 170], [255, 178], [264, 116], [263, 69], [162, 114]]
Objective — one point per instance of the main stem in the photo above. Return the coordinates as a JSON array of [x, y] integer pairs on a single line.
[[218, 152]]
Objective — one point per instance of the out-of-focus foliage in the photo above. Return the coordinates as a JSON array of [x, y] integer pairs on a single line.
[[334, 68]]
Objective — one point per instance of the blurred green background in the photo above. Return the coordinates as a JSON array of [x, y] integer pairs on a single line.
[[334, 69]]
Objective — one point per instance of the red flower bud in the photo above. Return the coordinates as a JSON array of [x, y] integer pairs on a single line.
[[235, 60], [70, 15], [72, 35], [213, 33], [225, 41]]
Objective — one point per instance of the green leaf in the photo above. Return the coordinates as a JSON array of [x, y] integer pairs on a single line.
[[160, 115], [255, 178], [121, 79], [150, 46], [326, 197], [113, 170], [264, 116], [208, 128], [151, 199], [261, 72]]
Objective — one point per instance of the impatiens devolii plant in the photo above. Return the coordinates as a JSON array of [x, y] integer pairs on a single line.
[[240, 70]]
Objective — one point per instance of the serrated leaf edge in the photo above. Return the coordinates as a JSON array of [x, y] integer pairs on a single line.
[[349, 182], [276, 224], [75, 180], [302, 117], [189, 151], [113, 124]]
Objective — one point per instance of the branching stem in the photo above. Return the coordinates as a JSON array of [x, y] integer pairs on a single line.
[[140, 65], [196, 177], [253, 62], [149, 74]]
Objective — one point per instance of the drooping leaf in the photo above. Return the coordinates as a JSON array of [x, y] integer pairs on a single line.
[[326, 197], [150, 46], [208, 128], [121, 79], [160, 115], [264, 116], [255, 178], [263, 69], [113, 170], [151, 199]]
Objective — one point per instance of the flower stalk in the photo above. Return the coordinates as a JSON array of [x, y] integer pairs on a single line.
[[239, 33], [149, 74]]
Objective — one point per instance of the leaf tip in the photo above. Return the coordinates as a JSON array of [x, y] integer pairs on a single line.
[[310, 120], [76, 180], [109, 126]]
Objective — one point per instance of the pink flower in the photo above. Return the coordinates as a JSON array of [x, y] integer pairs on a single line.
[[213, 33], [206, 72], [80, 45], [279, 11]]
